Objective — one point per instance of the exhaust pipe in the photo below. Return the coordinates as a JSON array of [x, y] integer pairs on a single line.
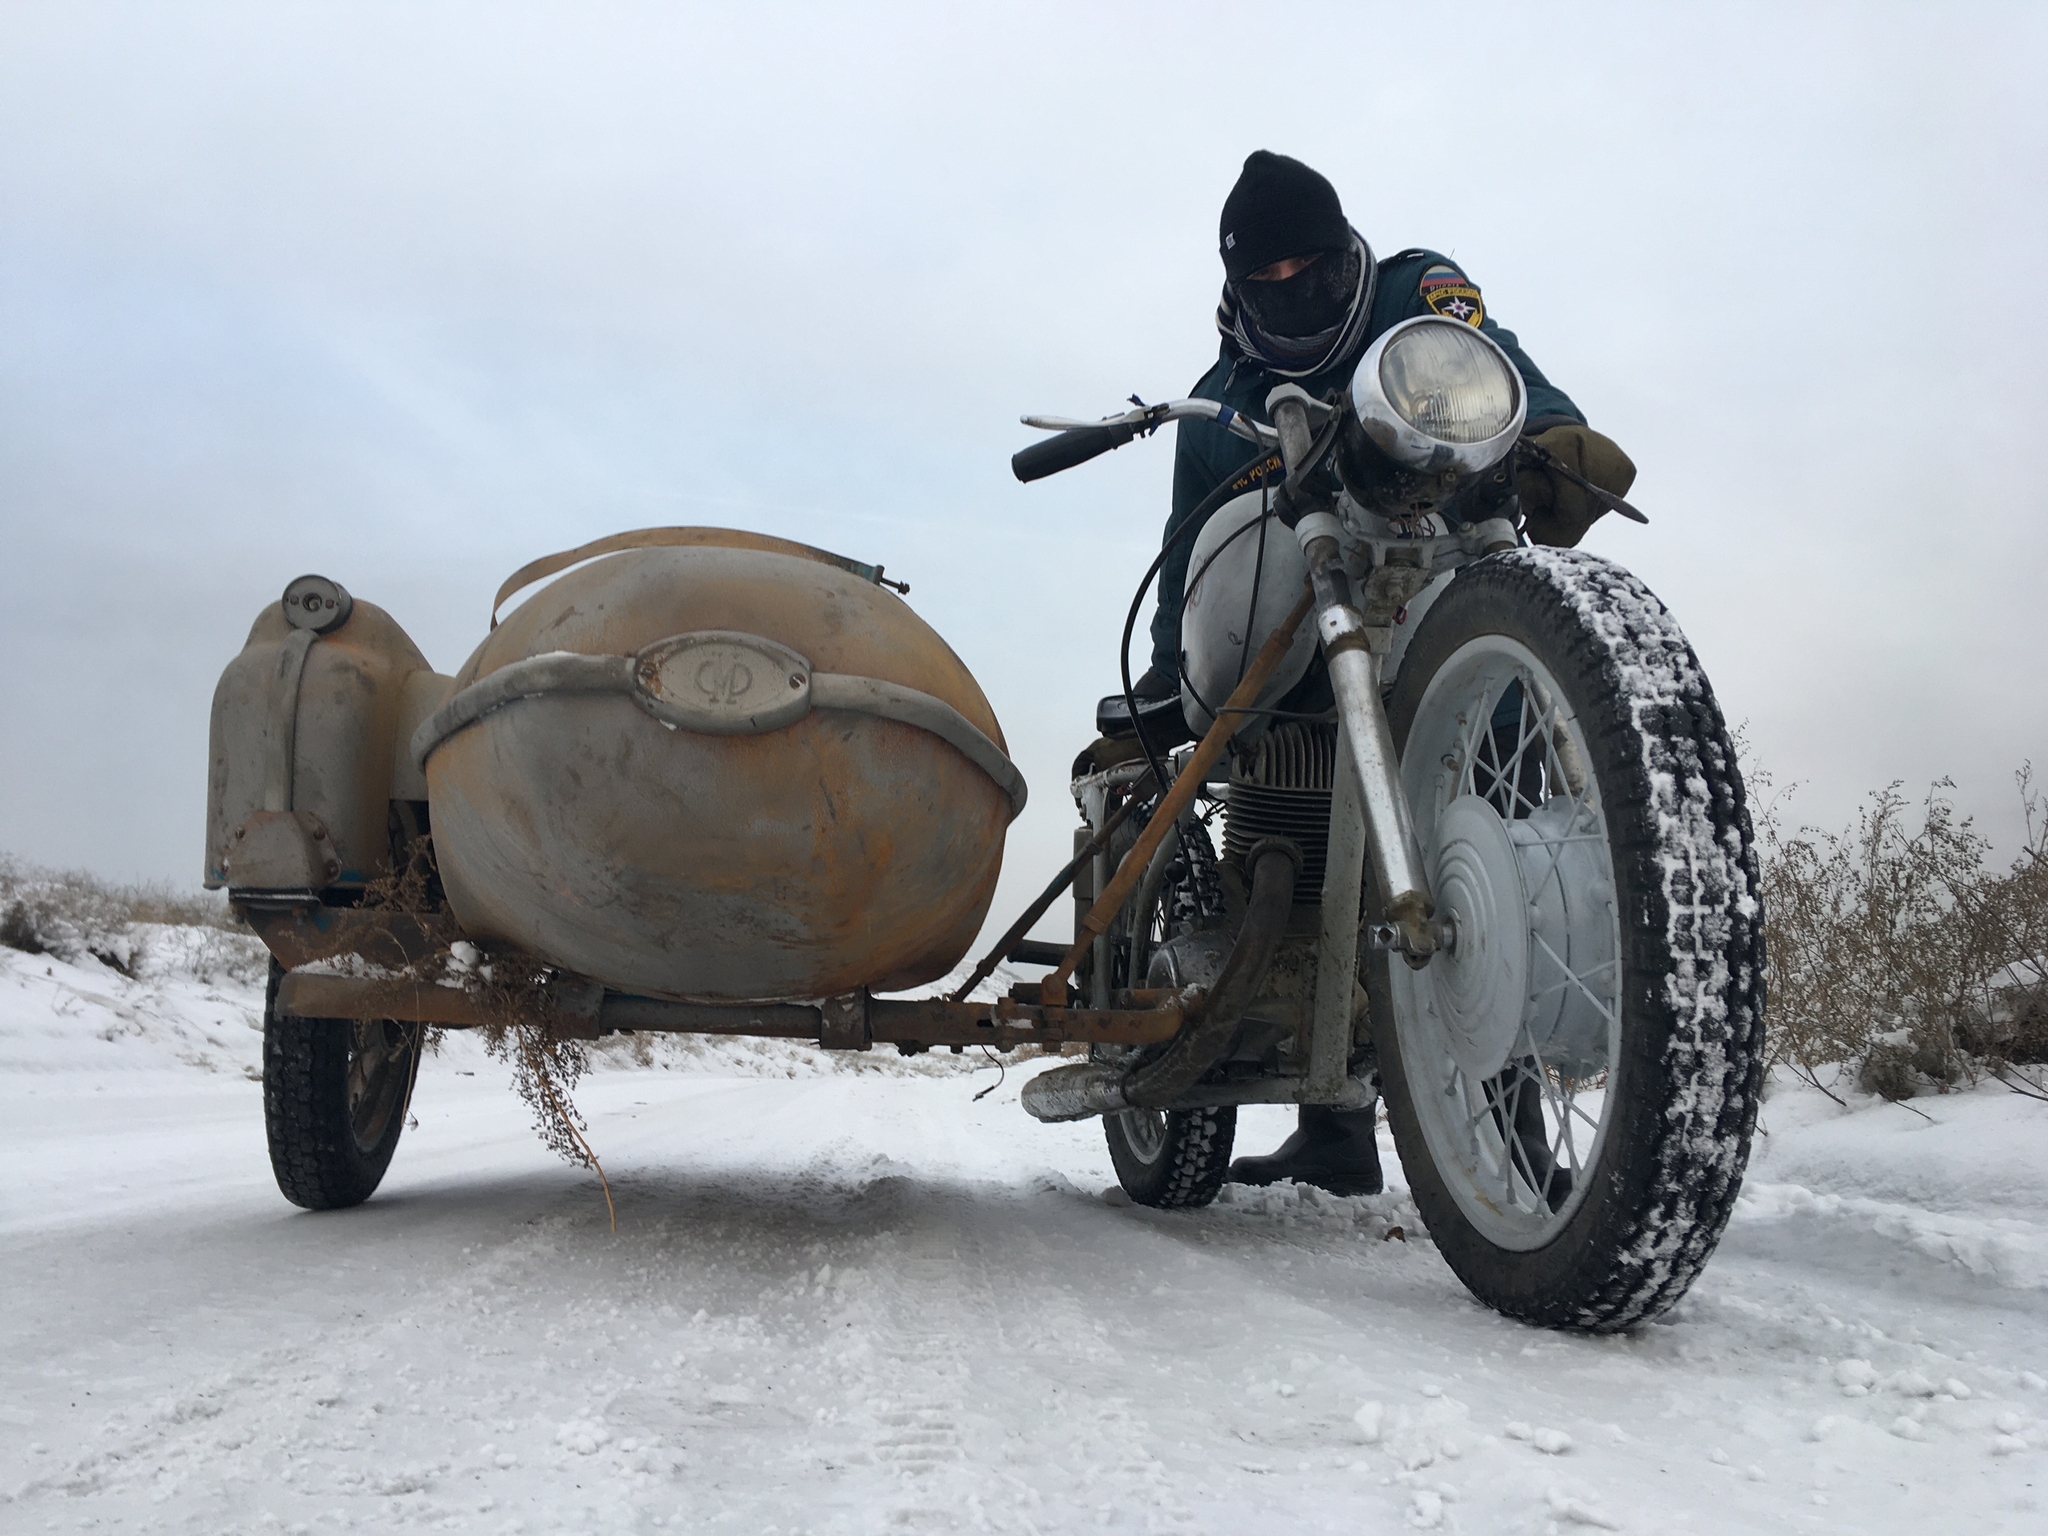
[[1107, 1088]]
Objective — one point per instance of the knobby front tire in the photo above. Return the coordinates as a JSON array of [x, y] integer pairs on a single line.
[[1572, 1101]]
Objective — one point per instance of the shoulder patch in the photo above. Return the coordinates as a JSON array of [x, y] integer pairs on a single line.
[[1450, 293]]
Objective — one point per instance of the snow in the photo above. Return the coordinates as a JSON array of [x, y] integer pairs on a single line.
[[846, 1296]]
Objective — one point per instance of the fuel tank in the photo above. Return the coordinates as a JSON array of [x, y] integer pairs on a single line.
[[717, 766]]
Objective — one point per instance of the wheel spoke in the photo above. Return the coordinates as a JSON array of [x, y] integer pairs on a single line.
[[1507, 1142], [1572, 978], [1511, 777], [1564, 1134]]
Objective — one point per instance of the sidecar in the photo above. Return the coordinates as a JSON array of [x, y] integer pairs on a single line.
[[701, 780]]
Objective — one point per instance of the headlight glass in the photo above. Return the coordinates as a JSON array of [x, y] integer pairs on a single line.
[[1447, 382]]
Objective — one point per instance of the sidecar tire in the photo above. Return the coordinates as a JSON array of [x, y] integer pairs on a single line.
[[1679, 1089], [1173, 1159], [329, 1146]]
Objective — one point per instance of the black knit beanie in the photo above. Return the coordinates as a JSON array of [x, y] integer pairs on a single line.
[[1279, 208]]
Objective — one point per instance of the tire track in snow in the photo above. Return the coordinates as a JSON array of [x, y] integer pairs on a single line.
[[961, 1347]]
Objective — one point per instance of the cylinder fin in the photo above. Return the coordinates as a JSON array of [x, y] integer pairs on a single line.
[[1282, 789]]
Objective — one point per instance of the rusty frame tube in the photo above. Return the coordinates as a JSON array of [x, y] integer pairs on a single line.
[[1107, 1088], [305, 995], [302, 934], [1229, 719], [582, 1010], [1006, 946], [1274, 864]]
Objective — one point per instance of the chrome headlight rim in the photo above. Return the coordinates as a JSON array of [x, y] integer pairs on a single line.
[[1407, 444]]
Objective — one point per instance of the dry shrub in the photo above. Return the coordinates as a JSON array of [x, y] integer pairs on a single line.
[[412, 884], [515, 992], [1895, 950], [70, 914]]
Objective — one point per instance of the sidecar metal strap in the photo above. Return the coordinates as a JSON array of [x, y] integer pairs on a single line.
[[721, 683], [892, 701], [677, 538]]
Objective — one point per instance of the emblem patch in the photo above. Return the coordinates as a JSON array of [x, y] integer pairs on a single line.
[[1450, 293]]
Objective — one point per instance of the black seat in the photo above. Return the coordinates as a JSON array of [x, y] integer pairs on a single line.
[[1165, 725]]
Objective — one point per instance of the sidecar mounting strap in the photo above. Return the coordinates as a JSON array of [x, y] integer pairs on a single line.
[[678, 538], [720, 683]]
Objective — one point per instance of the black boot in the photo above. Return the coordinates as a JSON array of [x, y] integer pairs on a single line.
[[1155, 684], [1333, 1149]]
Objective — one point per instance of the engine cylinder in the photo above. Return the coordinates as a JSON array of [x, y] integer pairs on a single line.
[[1281, 788]]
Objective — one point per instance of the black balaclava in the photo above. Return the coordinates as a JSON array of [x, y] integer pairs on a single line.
[[1310, 322], [1314, 300]]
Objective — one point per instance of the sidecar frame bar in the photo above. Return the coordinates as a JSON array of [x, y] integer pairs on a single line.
[[575, 1008]]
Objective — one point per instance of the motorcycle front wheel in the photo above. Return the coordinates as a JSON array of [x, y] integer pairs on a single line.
[[1574, 1083]]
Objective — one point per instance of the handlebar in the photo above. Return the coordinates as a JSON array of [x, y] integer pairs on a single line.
[[1063, 450], [1077, 442]]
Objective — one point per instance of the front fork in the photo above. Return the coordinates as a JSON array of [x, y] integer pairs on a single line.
[[1369, 817], [1355, 650]]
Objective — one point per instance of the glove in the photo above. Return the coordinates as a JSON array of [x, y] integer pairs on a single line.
[[1555, 511]]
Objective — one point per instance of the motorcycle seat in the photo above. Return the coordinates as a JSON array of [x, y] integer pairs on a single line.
[[1165, 724]]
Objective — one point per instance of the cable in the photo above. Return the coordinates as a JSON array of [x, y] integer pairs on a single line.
[[1251, 618], [1200, 511]]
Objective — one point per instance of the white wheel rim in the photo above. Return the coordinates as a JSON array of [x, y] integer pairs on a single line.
[[1144, 1133], [1507, 1044]]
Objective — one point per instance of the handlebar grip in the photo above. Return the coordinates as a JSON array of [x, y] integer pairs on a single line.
[[1063, 450]]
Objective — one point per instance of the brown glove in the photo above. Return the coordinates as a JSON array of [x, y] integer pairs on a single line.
[[1554, 511]]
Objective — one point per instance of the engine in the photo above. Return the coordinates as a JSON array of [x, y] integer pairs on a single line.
[[1281, 788]]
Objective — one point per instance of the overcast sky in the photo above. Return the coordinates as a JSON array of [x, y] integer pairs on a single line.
[[408, 295]]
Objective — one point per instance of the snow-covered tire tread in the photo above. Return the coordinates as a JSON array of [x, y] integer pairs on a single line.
[[1692, 932]]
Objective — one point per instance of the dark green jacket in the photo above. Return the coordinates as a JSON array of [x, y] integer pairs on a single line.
[[1412, 283]]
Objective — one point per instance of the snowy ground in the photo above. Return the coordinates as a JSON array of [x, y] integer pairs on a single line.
[[845, 1297]]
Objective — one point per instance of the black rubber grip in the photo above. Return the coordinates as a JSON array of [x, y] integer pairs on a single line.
[[1063, 450]]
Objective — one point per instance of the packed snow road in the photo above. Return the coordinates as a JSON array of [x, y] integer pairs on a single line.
[[845, 1296]]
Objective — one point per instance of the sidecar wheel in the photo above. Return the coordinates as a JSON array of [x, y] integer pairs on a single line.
[[1574, 1084], [1173, 1159], [334, 1102]]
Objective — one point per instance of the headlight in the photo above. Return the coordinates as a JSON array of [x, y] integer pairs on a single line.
[[1438, 394]]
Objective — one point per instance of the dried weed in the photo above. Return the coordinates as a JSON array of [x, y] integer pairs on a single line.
[[1897, 951]]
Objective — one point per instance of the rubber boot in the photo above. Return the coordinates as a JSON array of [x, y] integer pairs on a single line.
[[1333, 1149], [1155, 684]]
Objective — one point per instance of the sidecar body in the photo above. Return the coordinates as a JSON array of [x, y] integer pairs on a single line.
[[710, 766]]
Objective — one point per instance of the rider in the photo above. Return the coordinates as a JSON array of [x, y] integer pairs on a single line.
[[1303, 297]]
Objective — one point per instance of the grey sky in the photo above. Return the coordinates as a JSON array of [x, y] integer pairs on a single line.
[[411, 294]]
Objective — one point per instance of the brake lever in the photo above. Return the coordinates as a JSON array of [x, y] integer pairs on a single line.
[[1540, 456]]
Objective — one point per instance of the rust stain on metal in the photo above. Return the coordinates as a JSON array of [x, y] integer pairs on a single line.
[[574, 1007], [389, 940], [354, 997]]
